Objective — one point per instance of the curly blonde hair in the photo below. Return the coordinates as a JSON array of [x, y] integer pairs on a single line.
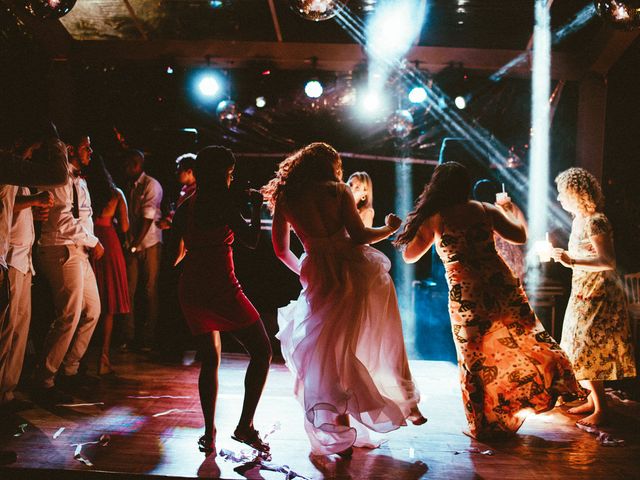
[[316, 162], [584, 187]]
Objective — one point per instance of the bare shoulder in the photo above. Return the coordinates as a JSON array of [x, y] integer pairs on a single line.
[[120, 195]]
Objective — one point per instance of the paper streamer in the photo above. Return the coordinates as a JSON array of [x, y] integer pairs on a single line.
[[172, 410], [69, 405], [58, 432]]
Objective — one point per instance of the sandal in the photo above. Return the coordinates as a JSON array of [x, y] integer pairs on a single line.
[[252, 438], [206, 444]]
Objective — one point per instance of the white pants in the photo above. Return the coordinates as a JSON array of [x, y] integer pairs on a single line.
[[14, 333], [77, 310]]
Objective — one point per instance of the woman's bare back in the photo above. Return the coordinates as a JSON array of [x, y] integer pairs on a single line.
[[317, 212]]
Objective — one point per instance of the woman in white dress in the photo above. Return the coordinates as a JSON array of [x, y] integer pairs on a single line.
[[342, 339]]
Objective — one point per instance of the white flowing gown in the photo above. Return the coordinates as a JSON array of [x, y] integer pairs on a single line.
[[342, 340]]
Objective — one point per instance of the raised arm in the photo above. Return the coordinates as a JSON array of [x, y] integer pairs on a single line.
[[50, 173], [122, 213], [356, 229], [249, 235], [281, 240], [507, 223], [421, 243]]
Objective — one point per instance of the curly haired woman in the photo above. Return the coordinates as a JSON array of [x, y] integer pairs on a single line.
[[342, 338], [595, 334]]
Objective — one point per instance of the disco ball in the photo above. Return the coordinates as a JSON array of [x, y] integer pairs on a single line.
[[228, 113], [622, 14], [317, 10], [49, 8], [400, 124]]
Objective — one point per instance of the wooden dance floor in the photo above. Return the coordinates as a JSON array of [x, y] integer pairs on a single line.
[[138, 437]]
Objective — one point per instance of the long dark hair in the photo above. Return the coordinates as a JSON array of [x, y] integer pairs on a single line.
[[450, 185], [212, 193], [100, 184], [316, 162]]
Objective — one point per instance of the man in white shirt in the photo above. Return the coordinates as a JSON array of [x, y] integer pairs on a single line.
[[144, 248], [65, 244], [19, 169]]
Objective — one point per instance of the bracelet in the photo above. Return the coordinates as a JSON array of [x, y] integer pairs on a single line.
[[573, 262]]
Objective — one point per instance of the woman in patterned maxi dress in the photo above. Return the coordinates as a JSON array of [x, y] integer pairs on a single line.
[[595, 333], [508, 362]]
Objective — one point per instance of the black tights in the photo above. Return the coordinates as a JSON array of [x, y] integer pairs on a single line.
[[255, 341]]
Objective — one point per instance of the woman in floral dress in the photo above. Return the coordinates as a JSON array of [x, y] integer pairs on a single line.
[[596, 333], [508, 363]]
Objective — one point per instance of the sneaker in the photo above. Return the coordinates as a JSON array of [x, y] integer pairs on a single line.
[[51, 396]]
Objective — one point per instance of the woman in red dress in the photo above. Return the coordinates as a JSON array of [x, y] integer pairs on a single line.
[[210, 295], [108, 203]]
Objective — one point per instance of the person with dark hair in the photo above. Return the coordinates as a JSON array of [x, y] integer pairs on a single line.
[[362, 189], [211, 297], [595, 331], [144, 248], [514, 255], [38, 160], [342, 339], [185, 167], [65, 245], [108, 203], [508, 363]]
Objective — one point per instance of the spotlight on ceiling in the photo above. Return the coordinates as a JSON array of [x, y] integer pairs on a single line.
[[313, 89], [460, 102], [208, 86], [169, 70], [417, 95], [261, 102]]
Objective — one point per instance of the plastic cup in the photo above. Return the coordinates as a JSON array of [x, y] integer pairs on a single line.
[[502, 197]]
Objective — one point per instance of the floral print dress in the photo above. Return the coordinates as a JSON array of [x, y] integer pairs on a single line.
[[596, 333], [508, 362]]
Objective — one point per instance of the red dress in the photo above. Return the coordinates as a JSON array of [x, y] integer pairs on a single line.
[[110, 270], [209, 292]]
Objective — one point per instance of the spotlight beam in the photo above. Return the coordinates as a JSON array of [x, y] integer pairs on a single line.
[[481, 144]]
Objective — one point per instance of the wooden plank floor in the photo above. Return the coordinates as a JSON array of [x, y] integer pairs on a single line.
[[141, 444]]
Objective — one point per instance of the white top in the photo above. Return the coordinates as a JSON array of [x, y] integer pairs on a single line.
[[144, 203], [22, 238], [7, 200], [62, 228]]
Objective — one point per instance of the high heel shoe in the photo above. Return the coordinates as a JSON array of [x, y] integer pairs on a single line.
[[252, 438], [206, 444]]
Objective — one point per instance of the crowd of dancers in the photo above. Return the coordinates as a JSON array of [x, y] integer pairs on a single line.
[[342, 338]]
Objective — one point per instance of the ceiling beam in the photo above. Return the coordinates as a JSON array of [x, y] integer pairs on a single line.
[[606, 48], [291, 56]]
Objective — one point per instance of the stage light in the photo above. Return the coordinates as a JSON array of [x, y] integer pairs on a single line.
[[313, 89], [460, 102], [417, 95], [261, 102], [394, 27], [169, 70], [215, 3], [208, 86]]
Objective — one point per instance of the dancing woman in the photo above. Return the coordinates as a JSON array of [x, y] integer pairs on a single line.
[[342, 338], [108, 203], [508, 362], [211, 298], [595, 332], [362, 189]]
